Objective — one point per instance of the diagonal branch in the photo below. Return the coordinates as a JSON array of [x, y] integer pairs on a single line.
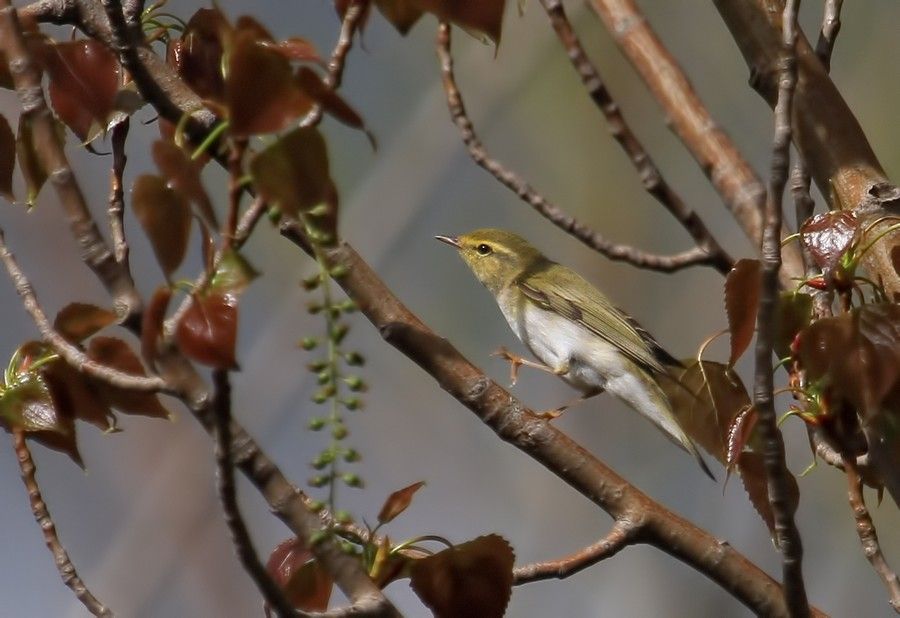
[[516, 424], [651, 178], [42, 517], [525, 192], [787, 535]]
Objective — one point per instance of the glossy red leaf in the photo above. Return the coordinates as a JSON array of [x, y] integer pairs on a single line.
[[741, 303], [78, 321], [310, 83], [298, 49], [307, 586], [85, 77], [827, 236], [470, 579], [76, 397], [398, 502], [197, 55], [166, 218], [293, 173], [183, 175], [753, 476], [7, 158], [207, 333], [152, 323], [117, 354], [706, 398], [29, 162], [261, 93]]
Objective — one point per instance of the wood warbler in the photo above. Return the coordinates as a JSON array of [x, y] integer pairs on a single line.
[[576, 332]]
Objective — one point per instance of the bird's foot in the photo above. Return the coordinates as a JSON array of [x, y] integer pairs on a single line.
[[515, 361], [549, 415]]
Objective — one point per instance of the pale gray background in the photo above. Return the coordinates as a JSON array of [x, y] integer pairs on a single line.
[[143, 525]]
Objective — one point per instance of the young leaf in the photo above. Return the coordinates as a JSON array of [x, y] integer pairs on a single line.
[[741, 301], [828, 236], [233, 274], [306, 585], [152, 323], [794, 313], [398, 502], [753, 476], [294, 174], [470, 579], [84, 82], [7, 158], [197, 55], [166, 219], [403, 14], [75, 396], [115, 353], [310, 83], [29, 162], [183, 175], [296, 48], [260, 91], [485, 16], [207, 333], [78, 321]]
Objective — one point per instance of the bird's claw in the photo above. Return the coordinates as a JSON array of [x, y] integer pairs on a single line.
[[549, 415], [514, 363]]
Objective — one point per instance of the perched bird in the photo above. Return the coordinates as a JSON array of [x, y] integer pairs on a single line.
[[576, 332]]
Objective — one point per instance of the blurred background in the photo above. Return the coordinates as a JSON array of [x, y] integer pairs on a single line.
[[143, 525]]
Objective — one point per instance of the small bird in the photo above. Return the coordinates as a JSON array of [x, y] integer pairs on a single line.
[[576, 332]]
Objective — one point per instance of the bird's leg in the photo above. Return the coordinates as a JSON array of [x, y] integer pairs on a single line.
[[516, 361], [549, 415]]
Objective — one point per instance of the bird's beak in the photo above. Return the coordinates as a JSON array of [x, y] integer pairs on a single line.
[[453, 241]]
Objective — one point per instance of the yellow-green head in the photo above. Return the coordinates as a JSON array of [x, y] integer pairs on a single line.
[[496, 257]]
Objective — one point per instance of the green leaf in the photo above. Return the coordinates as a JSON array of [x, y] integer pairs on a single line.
[[233, 274], [166, 218]]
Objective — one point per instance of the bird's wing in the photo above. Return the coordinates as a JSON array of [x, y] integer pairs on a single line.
[[571, 296]]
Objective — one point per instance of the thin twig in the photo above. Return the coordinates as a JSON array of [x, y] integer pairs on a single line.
[[71, 354], [349, 25], [94, 250], [787, 535], [868, 537], [649, 173], [550, 211], [116, 210], [45, 522], [240, 536], [831, 26], [623, 533]]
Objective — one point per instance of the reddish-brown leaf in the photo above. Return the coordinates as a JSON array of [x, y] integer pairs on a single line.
[[7, 158], [152, 323], [403, 14], [794, 313], [76, 397], [115, 353], [78, 321], [29, 162], [471, 579], [233, 274], [293, 173], [183, 175], [166, 218], [753, 476], [307, 586], [84, 80], [6, 79], [197, 55], [741, 301], [485, 16], [739, 435], [706, 399], [398, 502], [28, 406], [261, 93], [828, 236], [298, 49], [310, 83], [207, 332]]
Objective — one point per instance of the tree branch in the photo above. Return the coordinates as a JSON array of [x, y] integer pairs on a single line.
[[45, 522], [94, 252], [787, 535], [868, 537], [525, 192], [651, 178], [732, 177], [825, 132], [116, 209], [519, 426], [623, 533]]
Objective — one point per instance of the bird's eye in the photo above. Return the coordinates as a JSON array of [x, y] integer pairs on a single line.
[[484, 249]]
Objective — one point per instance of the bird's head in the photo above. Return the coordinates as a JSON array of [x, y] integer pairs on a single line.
[[496, 257]]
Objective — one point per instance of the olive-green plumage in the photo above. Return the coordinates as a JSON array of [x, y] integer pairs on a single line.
[[572, 327]]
